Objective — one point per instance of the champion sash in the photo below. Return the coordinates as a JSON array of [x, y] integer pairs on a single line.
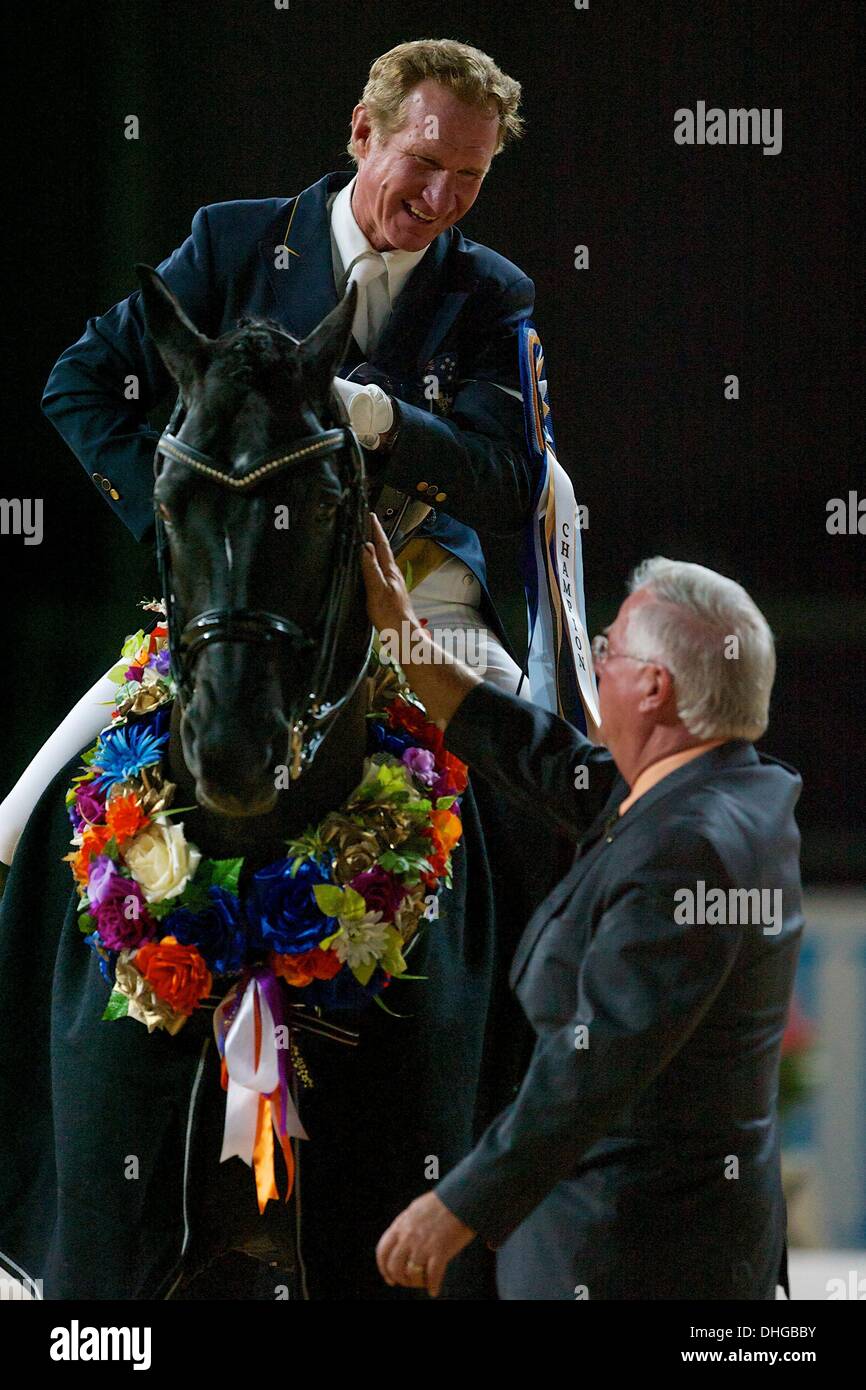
[[560, 669]]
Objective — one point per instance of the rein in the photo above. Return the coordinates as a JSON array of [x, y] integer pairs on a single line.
[[313, 718]]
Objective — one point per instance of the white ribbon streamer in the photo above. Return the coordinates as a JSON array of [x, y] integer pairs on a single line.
[[246, 1081]]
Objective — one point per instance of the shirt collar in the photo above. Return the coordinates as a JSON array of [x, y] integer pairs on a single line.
[[656, 772], [349, 242]]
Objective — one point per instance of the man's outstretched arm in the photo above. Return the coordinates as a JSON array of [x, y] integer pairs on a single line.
[[528, 754]]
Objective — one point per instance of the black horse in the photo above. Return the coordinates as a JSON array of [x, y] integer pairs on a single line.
[[262, 503]]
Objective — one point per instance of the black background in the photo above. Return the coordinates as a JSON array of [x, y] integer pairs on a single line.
[[704, 261]]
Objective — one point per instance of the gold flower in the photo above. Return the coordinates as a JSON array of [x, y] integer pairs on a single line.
[[144, 1005], [408, 914], [355, 848], [148, 698]]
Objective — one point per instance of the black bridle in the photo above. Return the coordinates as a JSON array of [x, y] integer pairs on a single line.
[[311, 720]]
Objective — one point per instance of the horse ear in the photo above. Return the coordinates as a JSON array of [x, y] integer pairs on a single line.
[[322, 351], [183, 349]]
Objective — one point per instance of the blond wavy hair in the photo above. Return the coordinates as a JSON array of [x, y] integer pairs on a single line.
[[470, 74]]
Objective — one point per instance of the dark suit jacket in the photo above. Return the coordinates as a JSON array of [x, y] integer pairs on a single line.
[[640, 1158], [457, 318]]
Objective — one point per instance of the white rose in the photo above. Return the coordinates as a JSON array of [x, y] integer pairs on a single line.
[[162, 860]]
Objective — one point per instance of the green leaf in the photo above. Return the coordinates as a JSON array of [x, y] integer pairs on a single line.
[[162, 909], [329, 899], [363, 973], [86, 923], [117, 1006], [377, 999], [132, 645], [443, 802], [225, 873], [392, 959]]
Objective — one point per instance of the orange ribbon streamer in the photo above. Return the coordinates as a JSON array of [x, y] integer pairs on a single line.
[[263, 1151]]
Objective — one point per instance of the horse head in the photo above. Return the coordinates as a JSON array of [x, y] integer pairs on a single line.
[[260, 504]]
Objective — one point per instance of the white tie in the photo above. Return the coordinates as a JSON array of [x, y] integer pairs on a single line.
[[369, 266]]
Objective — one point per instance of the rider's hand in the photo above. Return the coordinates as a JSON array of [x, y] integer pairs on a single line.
[[368, 410]]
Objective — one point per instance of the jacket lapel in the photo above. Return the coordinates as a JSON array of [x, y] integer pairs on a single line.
[[735, 753], [425, 310], [304, 288]]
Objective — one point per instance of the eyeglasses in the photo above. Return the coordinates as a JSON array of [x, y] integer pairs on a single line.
[[601, 652]]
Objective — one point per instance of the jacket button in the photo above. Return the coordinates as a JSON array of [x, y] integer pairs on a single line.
[[106, 484], [97, 478], [419, 487], [440, 496], [114, 495]]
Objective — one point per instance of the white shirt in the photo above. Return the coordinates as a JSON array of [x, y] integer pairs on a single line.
[[348, 242]]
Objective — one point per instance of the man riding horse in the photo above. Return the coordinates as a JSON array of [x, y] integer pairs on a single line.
[[431, 384]]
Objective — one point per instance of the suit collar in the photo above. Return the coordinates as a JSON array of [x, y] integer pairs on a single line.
[[737, 752], [305, 290], [734, 753]]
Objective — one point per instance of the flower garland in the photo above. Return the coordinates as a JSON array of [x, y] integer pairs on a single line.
[[332, 919]]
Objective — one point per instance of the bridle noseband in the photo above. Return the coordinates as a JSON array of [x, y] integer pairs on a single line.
[[309, 723]]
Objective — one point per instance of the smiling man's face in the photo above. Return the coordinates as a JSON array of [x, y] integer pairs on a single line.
[[423, 178]]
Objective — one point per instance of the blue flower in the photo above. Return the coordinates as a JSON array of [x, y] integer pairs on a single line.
[[123, 752], [387, 740], [343, 991], [107, 959], [218, 932], [284, 915]]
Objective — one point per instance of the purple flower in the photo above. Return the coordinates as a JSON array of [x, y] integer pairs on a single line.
[[161, 662], [133, 673], [88, 807], [380, 891], [122, 918], [421, 763], [102, 871]]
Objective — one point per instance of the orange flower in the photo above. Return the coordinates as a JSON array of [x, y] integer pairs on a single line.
[[174, 972], [445, 830], [305, 966], [95, 839], [124, 817]]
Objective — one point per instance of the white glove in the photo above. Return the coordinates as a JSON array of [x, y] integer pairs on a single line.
[[368, 409]]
